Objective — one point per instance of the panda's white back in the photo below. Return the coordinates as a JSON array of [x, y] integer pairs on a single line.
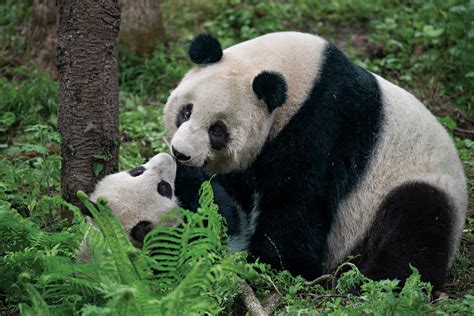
[[413, 146]]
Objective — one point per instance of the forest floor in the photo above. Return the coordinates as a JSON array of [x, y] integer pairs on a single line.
[[425, 47]]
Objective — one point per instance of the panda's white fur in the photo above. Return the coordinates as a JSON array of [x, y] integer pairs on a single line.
[[411, 145], [225, 89], [135, 199]]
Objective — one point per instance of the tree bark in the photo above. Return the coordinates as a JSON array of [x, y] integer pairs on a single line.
[[42, 35], [142, 25], [88, 120]]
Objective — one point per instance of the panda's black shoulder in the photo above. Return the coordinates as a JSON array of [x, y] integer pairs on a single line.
[[341, 74], [331, 137]]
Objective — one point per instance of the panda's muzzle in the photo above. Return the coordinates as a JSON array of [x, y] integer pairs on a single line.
[[179, 156], [139, 231]]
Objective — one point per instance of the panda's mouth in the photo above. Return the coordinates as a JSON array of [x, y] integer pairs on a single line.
[[197, 164]]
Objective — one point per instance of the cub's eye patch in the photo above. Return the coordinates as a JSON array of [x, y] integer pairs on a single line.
[[139, 231], [135, 172], [164, 189], [184, 114], [218, 135]]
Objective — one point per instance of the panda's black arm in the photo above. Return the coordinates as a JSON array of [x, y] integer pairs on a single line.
[[291, 237], [187, 184]]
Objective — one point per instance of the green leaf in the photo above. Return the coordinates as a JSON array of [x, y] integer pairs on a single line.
[[7, 120], [430, 31], [39, 149], [448, 122], [97, 168]]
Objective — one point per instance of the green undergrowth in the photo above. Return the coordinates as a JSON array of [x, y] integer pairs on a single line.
[[181, 270]]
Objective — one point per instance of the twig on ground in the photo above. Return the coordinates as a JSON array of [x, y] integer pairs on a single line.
[[274, 285], [332, 276], [336, 273], [320, 279], [438, 296], [464, 131], [317, 297]]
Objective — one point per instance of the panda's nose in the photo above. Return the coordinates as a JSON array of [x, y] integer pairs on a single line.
[[140, 230], [179, 156]]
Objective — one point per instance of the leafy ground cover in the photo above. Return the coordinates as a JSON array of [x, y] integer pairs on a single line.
[[424, 46]]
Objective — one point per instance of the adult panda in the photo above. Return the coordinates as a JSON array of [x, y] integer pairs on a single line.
[[326, 159]]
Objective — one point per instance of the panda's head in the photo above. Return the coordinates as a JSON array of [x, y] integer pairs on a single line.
[[140, 196], [221, 113]]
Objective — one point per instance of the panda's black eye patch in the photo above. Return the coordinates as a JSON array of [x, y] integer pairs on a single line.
[[164, 189], [139, 231], [184, 114], [135, 172], [218, 135]]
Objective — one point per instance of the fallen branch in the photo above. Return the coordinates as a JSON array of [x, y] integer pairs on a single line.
[[271, 303], [251, 302]]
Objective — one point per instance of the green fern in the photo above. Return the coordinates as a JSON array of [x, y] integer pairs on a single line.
[[181, 270], [26, 247], [117, 241]]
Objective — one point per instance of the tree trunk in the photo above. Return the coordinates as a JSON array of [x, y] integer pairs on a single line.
[[42, 35], [142, 25], [88, 120]]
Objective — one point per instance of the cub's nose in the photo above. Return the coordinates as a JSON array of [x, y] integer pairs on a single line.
[[140, 230], [179, 156]]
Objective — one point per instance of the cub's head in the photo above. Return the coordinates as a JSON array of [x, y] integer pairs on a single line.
[[140, 196], [220, 114]]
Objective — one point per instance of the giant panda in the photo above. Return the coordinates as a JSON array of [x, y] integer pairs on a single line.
[[326, 159], [139, 197]]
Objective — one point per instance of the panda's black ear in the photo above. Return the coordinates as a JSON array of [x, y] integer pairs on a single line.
[[271, 87], [205, 49]]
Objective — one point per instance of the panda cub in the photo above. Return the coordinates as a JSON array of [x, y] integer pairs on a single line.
[[140, 196], [325, 158]]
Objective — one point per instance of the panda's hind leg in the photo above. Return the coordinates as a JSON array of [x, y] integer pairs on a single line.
[[413, 226]]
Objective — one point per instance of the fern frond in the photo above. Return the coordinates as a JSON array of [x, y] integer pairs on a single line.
[[117, 241], [193, 272], [38, 305]]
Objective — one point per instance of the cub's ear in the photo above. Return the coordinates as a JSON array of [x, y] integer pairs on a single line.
[[205, 49], [271, 87]]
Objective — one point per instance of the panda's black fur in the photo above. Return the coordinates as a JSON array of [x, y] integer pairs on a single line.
[[414, 219], [205, 49], [296, 227], [188, 182], [300, 178]]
